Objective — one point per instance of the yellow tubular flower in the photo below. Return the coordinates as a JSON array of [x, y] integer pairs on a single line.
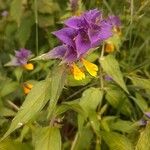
[[27, 87], [90, 67], [109, 47], [77, 73], [29, 66]]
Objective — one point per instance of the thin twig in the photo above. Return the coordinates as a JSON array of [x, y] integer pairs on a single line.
[[79, 91], [14, 106]]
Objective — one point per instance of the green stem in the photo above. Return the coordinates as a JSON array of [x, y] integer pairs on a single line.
[[11, 104], [101, 70], [98, 143], [75, 141], [131, 10], [36, 25], [79, 91]]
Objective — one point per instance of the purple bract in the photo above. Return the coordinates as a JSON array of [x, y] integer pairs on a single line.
[[147, 114], [4, 13], [142, 122], [21, 57], [81, 33]]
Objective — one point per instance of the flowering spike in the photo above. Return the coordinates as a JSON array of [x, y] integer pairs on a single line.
[[29, 66], [90, 67], [77, 73]]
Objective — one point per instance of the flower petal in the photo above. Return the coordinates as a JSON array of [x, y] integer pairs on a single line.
[[70, 55], [76, 22], [99, 34], [66, 35], [77, 73], [57, 52], [90, 67], [114, 20], [23, 53], [29, 66], [27, 87], [94, 37], [83, 43], [93, 16], [21, 57]]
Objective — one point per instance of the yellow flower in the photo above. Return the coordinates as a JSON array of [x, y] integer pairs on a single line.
[[77, 73], [109, 47], [29, 66], [27, 87], [90, 67]]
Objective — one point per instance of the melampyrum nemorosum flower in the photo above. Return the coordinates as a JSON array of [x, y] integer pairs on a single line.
[[68, 55], [21, 58], [78, 37], [86, 31]]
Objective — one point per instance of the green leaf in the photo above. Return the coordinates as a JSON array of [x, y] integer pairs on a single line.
[[90, 99], [141, 102], [143, 141], [24, 29], [92, 56], [14, 145], [7, 112], [47, 138], [18, 73], [95, 122], [45, 20], [72, 105], [34, 102], [111, 67], [47, 6], [116, 141], [8, 87], [141, 83], [105, 122], [57, 84], [82, 139], [72, 82], [119, 100], [23, 134], [16, 10], [123, 126]]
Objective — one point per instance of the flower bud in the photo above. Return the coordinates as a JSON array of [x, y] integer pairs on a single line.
[[109, 47]]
